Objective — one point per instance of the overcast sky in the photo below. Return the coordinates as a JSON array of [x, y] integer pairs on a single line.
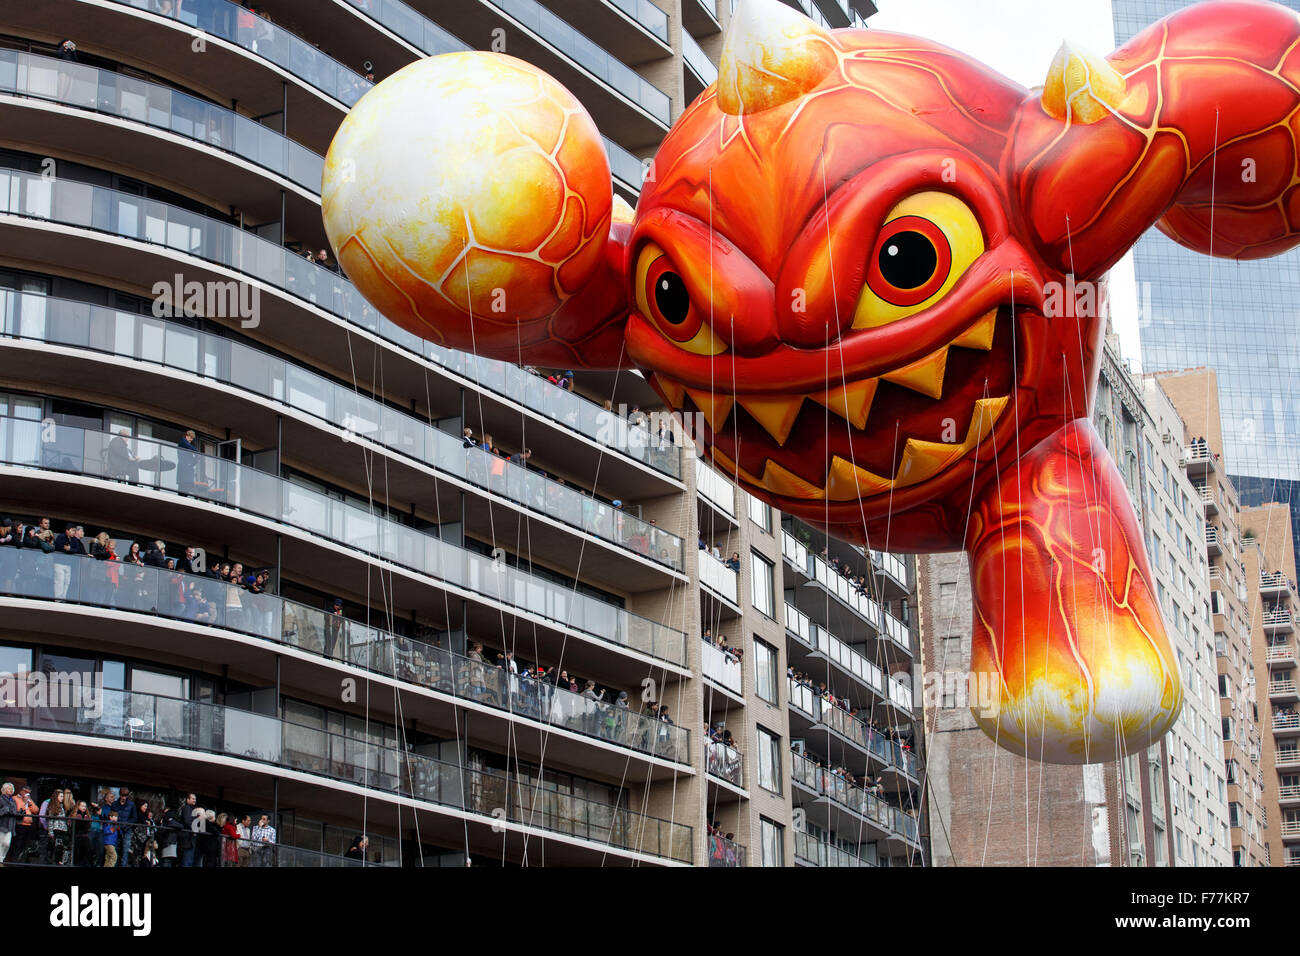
[[1019, 39]]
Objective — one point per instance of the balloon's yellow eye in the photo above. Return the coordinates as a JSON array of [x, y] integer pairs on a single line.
[[662, 297], [927, 242]]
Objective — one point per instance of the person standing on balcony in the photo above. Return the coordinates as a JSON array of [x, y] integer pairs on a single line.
[[9, 816], [124, 806], [334, 624], [110, 836], [263, 837]]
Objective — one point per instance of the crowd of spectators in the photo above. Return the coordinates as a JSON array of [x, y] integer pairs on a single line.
[[723, 850], [732, 562], [118, 830], [845, 570], [734, 653], [122, 582], [819, 688]]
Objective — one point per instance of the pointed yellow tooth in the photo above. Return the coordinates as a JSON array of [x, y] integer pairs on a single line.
[[924, 459], [851, 401], [786, 482], [979, 335], [924, 375], [845, 481], [986, 413], [729, 467], [777, 415], [673, 392], [715, 407]]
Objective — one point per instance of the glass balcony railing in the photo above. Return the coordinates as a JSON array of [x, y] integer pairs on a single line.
[[818, 853], [165, 467], [145, 338], [647, 14], [568, 408], [719, 578], [306, 62], [725, 763], [212, 728], [602, 64], [88, 88], [715, 488], [241, 26], [892, 753], [891, 564], [199, 599], [863, 605], [858, 799], [816, 636], [724, 852], [698, 60], [145, 220], [795, 552], [71, 844], [720, 667]]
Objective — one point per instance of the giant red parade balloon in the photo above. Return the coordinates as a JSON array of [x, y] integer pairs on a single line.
[[873, 267]]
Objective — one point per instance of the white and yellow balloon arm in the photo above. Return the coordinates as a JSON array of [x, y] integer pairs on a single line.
[[468, 197]]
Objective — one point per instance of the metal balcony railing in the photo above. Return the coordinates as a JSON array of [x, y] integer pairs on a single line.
[[1282, 688], [725, 763], [1286, 721], [724, 852], [1279, 655], [162, 466], [1273, 580], [1279, 619], [819, 853]]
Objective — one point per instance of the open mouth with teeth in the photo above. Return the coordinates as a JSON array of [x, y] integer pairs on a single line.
[[868, 436]]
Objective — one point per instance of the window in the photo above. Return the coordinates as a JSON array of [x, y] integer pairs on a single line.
[[765, 671], [760, 513], [773, 837], [761, 580], [769, 761]]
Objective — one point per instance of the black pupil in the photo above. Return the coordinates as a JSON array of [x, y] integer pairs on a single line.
[[671, 298], [908, 260]]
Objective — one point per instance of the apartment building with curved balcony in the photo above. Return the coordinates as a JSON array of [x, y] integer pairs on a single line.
[[159, 225]]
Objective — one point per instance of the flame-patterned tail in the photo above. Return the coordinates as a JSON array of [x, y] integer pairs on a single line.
[[1065, 620]]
